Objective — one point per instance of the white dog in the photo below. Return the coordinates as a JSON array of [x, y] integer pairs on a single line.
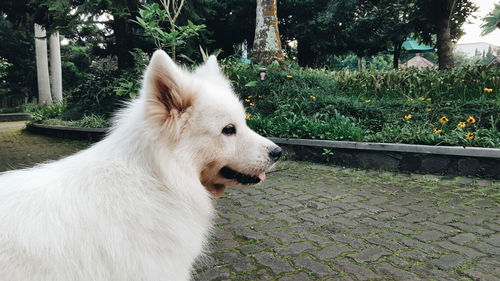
[[137, 205]]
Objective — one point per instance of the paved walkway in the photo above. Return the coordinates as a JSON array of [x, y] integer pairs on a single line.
[[315, 222]]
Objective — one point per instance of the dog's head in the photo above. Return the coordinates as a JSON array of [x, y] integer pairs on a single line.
[[198, 114]]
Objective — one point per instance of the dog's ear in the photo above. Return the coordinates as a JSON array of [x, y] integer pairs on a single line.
[[209, 68], [164, 86]]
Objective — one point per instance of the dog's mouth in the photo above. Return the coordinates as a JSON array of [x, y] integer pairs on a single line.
[[241, 178]]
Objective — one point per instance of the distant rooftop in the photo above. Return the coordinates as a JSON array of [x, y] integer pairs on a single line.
[[472, 49]]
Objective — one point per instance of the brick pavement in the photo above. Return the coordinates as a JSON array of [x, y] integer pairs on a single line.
[[316, 222]]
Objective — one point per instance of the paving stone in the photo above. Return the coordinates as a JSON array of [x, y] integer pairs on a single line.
[[393, 246], [435, 274], [475, 219], [343, 278], [493, 240], [277, 265], [449, 261], [424, 246], [212, 274], [398, 261], [328, 212], [387, 270], [489, 265], [361, 273], [331, 252], [468, 252], [478, 276], [315, 238], [259, 247], [486, 248], [301, 276], [431, 235], [472, 228], [354, 243], [415, 255], [444, 218], [315, 267], [463, 238], [282, 236], [369, 255], [295, 248], [249, 234], [448, 230], [237, 261]]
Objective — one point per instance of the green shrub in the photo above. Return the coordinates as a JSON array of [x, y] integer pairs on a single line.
[[88, 121], [44, 112], [290, 125], [313, 104]]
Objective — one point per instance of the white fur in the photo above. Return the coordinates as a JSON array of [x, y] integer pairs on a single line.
[[131, 207]]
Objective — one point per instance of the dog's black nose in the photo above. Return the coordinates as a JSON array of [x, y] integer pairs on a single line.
[[275, 153]]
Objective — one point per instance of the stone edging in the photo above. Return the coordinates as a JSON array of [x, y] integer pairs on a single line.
[[91, 134], [450, 160], [10, 117], [396, 147]]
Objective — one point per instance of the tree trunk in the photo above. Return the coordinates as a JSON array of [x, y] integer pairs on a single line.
[[304, 53], [444, 46], [267, 43], [42, 66], [397, 54], [121, 29], [55, 67], [360, 62]]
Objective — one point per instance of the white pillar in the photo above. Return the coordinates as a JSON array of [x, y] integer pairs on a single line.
[[55, 67], [42, 66]]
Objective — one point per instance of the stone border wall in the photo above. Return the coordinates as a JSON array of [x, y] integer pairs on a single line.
[[449, 160], [75, 133], [10, 117]]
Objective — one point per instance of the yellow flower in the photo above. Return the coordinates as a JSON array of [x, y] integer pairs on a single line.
[[251, 104], [250, 97], [488, 90], [410, 99], [428, 109], [428, 99], [443, 120], [461, 125], [437, 131], [289, 76], [247, 100], [260, 97], [421, 98], [313, 97], [248, 116], [367, 101], [471, 120], [469, 136], [408, 117]]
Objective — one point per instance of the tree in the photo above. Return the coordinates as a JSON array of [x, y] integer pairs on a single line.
[[42, 65], [491, 21], [152, 18], [444, 19], [267, 43]]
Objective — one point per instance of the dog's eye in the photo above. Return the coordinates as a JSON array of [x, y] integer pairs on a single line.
[[229, 130]]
